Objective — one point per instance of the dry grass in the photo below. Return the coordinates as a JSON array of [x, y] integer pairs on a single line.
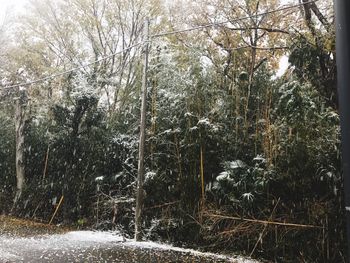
[[21, 227]]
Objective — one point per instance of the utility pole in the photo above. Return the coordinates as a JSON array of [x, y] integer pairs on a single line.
[[141, 169], [20, 120], [342, 11]]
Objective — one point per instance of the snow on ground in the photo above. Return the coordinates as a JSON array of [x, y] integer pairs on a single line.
[[25, 249], [91, 236], [5, 255], [158, 246], [12, 248]]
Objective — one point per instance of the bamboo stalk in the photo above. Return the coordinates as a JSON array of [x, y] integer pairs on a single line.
[[46, 161], [202, 172], [264, 221], [58, 206], [237, 112], [162, 205], [250, 82], [177, 148], [153, 122], [97, 208], [263, 232], [142, 140], [257, 117]]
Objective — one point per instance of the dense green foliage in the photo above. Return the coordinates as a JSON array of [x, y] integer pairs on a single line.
[[267, 146]]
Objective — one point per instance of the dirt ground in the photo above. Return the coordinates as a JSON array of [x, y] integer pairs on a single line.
[[25, 228]]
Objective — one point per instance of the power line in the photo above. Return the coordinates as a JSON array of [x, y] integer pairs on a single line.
[[72, 69], [152, 37], [231, 21]]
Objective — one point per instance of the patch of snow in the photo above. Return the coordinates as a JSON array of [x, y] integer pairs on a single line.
[[150, 175], [236, 164], [15, 248], [204, 121], [99, 178], [206, 62], [223, 176], [5, 255], [330, 174], [248, 196], [90, 236], [54, 200], [159, 246], [194, 128], [259, 158], [189, 114], [118, 175], [168, 131], [59, 241]]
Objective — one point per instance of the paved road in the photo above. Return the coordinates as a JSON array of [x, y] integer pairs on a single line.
[[88, 246]]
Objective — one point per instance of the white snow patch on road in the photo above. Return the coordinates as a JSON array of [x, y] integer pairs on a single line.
[[158, 246], [91, 236], [5, 255], [70, 239], [14, 248]]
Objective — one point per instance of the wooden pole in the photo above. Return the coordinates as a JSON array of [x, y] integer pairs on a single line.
[[140, 172], [56, 210], [20, 120]]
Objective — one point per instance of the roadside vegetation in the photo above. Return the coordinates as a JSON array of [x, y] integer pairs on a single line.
[[239, 157]]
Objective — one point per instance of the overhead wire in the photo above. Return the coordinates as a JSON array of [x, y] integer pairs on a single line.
[[59, 74], [283, 8], [72, 69]]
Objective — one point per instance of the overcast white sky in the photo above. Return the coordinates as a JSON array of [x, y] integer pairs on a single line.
[[13, 5], [10, 6]]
